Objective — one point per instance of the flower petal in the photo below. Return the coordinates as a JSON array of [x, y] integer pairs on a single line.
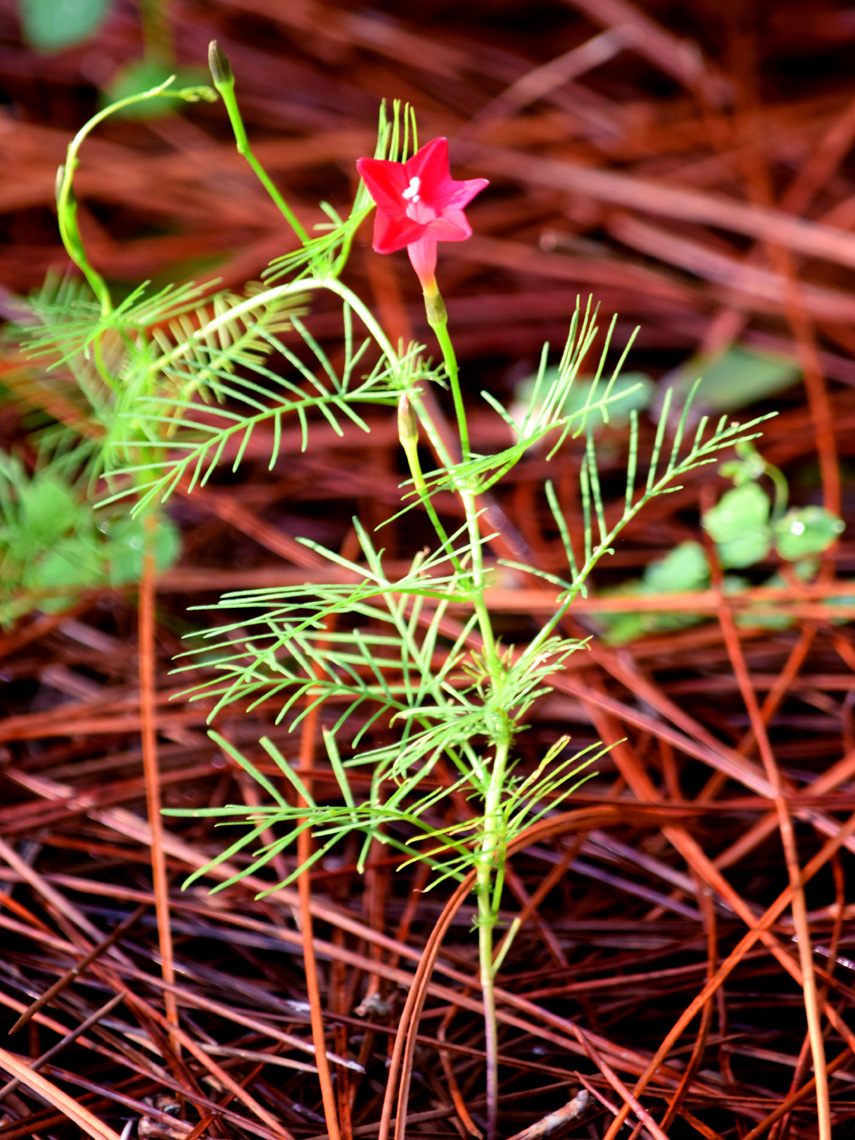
[[422, 256], [430, 166], [463, 192], [394, 230], [386, 181], [451, 226]]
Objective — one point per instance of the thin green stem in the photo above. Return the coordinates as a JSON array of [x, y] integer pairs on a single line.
[[485, 623], [782, 491], [410, 444], [508, 941], [273, 294], [346, 242], [438, 321], [489, 854], [224, 81], [69, 231], [491, 859], [483, 890], [66, 204]]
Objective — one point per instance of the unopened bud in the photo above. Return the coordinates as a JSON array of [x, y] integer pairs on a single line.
[[408, 425], [221, 70]]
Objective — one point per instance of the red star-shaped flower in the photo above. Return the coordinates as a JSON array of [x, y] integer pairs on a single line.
[[418, 204]]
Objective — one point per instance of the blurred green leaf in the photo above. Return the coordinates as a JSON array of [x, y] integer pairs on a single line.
[[734, 378], [739, 525], [804, 531], [73, 562], [126, 548], [685, 569], [746, 549], [48, 509], [53, 539], [51, 25], [842, 600], [739, 510], [749, 465], [768, 619], [751, 619], [621, 628]]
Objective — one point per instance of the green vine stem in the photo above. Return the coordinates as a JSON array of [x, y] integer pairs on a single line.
[[66, 203], [489, 839], [438, 321], [224, 81], [65, 200], [408, 434]]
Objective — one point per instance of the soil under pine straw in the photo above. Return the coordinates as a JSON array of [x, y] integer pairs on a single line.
[[668, 182]]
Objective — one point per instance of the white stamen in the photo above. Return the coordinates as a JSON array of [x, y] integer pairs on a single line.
[[412, 191]]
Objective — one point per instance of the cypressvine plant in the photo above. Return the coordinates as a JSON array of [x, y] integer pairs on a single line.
[[428, 701]]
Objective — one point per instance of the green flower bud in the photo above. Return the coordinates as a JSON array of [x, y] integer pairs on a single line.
[[408, 425], [221, 70]]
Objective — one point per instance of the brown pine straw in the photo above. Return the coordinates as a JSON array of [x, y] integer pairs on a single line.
[[401, 1063], [457, 1097], [308, 737], [621, 812], [628, 1098], [219, 1073], [785, 825], [694, 855], [151, 766], [64, 1041], [400, 1066], [758, 181], [151, 1016], [801, 1067], [87, 959], [759, 930], [707, 909], [56, 1096]]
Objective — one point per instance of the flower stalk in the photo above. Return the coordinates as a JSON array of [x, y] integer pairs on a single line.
[[224, 81]]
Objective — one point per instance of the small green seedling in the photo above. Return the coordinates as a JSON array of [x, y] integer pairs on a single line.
[[747, 527], [54, 544]]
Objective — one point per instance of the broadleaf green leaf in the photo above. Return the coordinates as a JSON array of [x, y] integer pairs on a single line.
[[683, 569], [804, 531], [735, 378], [51, 25]]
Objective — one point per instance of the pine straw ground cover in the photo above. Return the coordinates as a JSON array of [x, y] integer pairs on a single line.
[[688, 164]]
